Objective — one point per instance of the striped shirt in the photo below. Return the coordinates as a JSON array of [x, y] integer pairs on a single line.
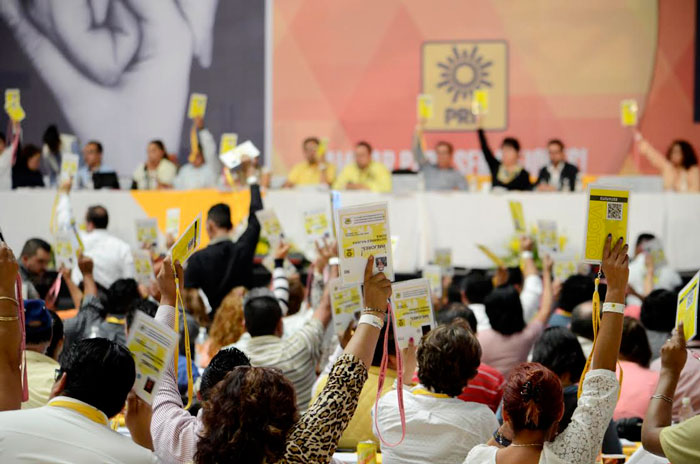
[[295, 356]]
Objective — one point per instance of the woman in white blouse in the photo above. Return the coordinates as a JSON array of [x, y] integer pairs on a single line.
[[533, 403], [158, 172]]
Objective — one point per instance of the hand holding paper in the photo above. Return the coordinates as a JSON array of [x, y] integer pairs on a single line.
[[377, 288]]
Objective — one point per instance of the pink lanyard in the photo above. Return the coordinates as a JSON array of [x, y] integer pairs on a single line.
[[382, 377], [52, 296], [20, 316]]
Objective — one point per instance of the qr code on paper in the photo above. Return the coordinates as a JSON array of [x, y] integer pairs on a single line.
[[614, 211]]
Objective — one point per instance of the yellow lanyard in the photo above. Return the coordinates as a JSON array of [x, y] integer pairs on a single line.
[[90, 412], [188, 356], [424, 392], [115, 320]]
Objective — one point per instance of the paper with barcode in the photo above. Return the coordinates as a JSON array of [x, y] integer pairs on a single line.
[[412, 308], [152, 345], [608, 209], [433, 273], [346, 302], [147, 231], [363, 231]]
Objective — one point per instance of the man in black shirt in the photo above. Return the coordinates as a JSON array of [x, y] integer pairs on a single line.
[[557, 175], [507, 173], [225, 264]]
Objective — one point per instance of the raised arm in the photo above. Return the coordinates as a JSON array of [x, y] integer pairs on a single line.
[[76, 295], [616, 268], [491, 160], [249, 238], [280, 281], [86, 266], [542, 314], [10, 334], [658, 160], [659, 413], [417, 146]]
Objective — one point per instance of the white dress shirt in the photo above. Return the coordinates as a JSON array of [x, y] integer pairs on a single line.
[[57, 435], [438, 430], [664, 278], [111, 256]]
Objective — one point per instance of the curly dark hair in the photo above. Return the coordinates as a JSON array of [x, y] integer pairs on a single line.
[[247, 417], [448, 357]]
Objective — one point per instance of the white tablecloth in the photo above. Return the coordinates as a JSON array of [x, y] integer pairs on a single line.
[[422, 221]]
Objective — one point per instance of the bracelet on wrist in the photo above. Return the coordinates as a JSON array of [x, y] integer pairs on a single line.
[[617, 308], [372, 320], [527, 255], [662, 397], [334, 261]]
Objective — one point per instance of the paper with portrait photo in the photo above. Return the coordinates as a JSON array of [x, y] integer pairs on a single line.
[[188, 243], [152, 345], [363, 231], [317, 224], [412, 308], [347, 303]]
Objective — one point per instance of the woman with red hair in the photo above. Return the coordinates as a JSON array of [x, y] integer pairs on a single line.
[[533, 402]]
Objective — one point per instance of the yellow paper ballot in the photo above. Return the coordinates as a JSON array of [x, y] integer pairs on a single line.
[[433, 273], [628, 112], [172, 222], [480, 101], [16, 113], [11, 97], [197, 106], [347, 303], [229, 140], [607, 214], [152, 345], [687, 310], [13, 108], [143, 266], [317, 224], [491, 255], [322, 149], [64, 250], [425, 107], [363, 231], [516, 212], [412, 310], [547, 238], [188, 242], [147, 231], [271, 226], [69, 165], [443, 257]]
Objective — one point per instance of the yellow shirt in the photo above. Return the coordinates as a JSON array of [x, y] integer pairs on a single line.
[[680, 442], [305, 173], [376, 176], [41, 371], [360, 426]]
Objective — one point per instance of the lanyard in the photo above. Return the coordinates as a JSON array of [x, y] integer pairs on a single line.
[[424, 392], [85, 410], [115, 320]]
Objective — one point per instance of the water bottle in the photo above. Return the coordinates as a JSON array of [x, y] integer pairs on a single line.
[[686, 411], [199, 346]]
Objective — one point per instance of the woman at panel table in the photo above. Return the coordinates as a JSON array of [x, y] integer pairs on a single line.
[[679, 167], [157, 172], [506, 173]]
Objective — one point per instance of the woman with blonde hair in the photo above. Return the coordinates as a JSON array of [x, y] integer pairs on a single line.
[[227, 326]]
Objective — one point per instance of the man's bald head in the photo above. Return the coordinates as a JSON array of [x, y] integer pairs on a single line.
[[582, 320]]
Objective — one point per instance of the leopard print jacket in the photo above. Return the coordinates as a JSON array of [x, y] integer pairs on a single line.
[[314, 438]]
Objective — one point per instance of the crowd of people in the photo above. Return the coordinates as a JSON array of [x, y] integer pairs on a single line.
[[502, 378], [23, 164]]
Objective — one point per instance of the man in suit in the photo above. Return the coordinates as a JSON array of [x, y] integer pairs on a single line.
[[557, 175]]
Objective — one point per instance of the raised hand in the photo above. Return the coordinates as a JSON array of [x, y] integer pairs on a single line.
[[8, 271], [674, 353], [377, 288], [616, 269]]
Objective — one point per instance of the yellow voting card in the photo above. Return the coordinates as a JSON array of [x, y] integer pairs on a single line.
[[16, 113], [64, 250], [270, 225], [687, 310], [480, 101], [143, 266], [11, 97], [347, 303], [516, 212], [363, 231], [322, 149], [608, 210], [69, 165], [229, 140], [152, 345], [628, 112], [188, 242], [172, 222], [433, 273], [425, 107], [413, 311], [147, 231], [443, 257], [491, 255], [563, 269], [197, 106], [317, 224], [547, 238]]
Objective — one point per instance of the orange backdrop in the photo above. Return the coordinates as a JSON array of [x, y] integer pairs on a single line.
[[352, 70]]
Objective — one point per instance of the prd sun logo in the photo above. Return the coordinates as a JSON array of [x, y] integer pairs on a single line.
[[463, 72], [451, 73]]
